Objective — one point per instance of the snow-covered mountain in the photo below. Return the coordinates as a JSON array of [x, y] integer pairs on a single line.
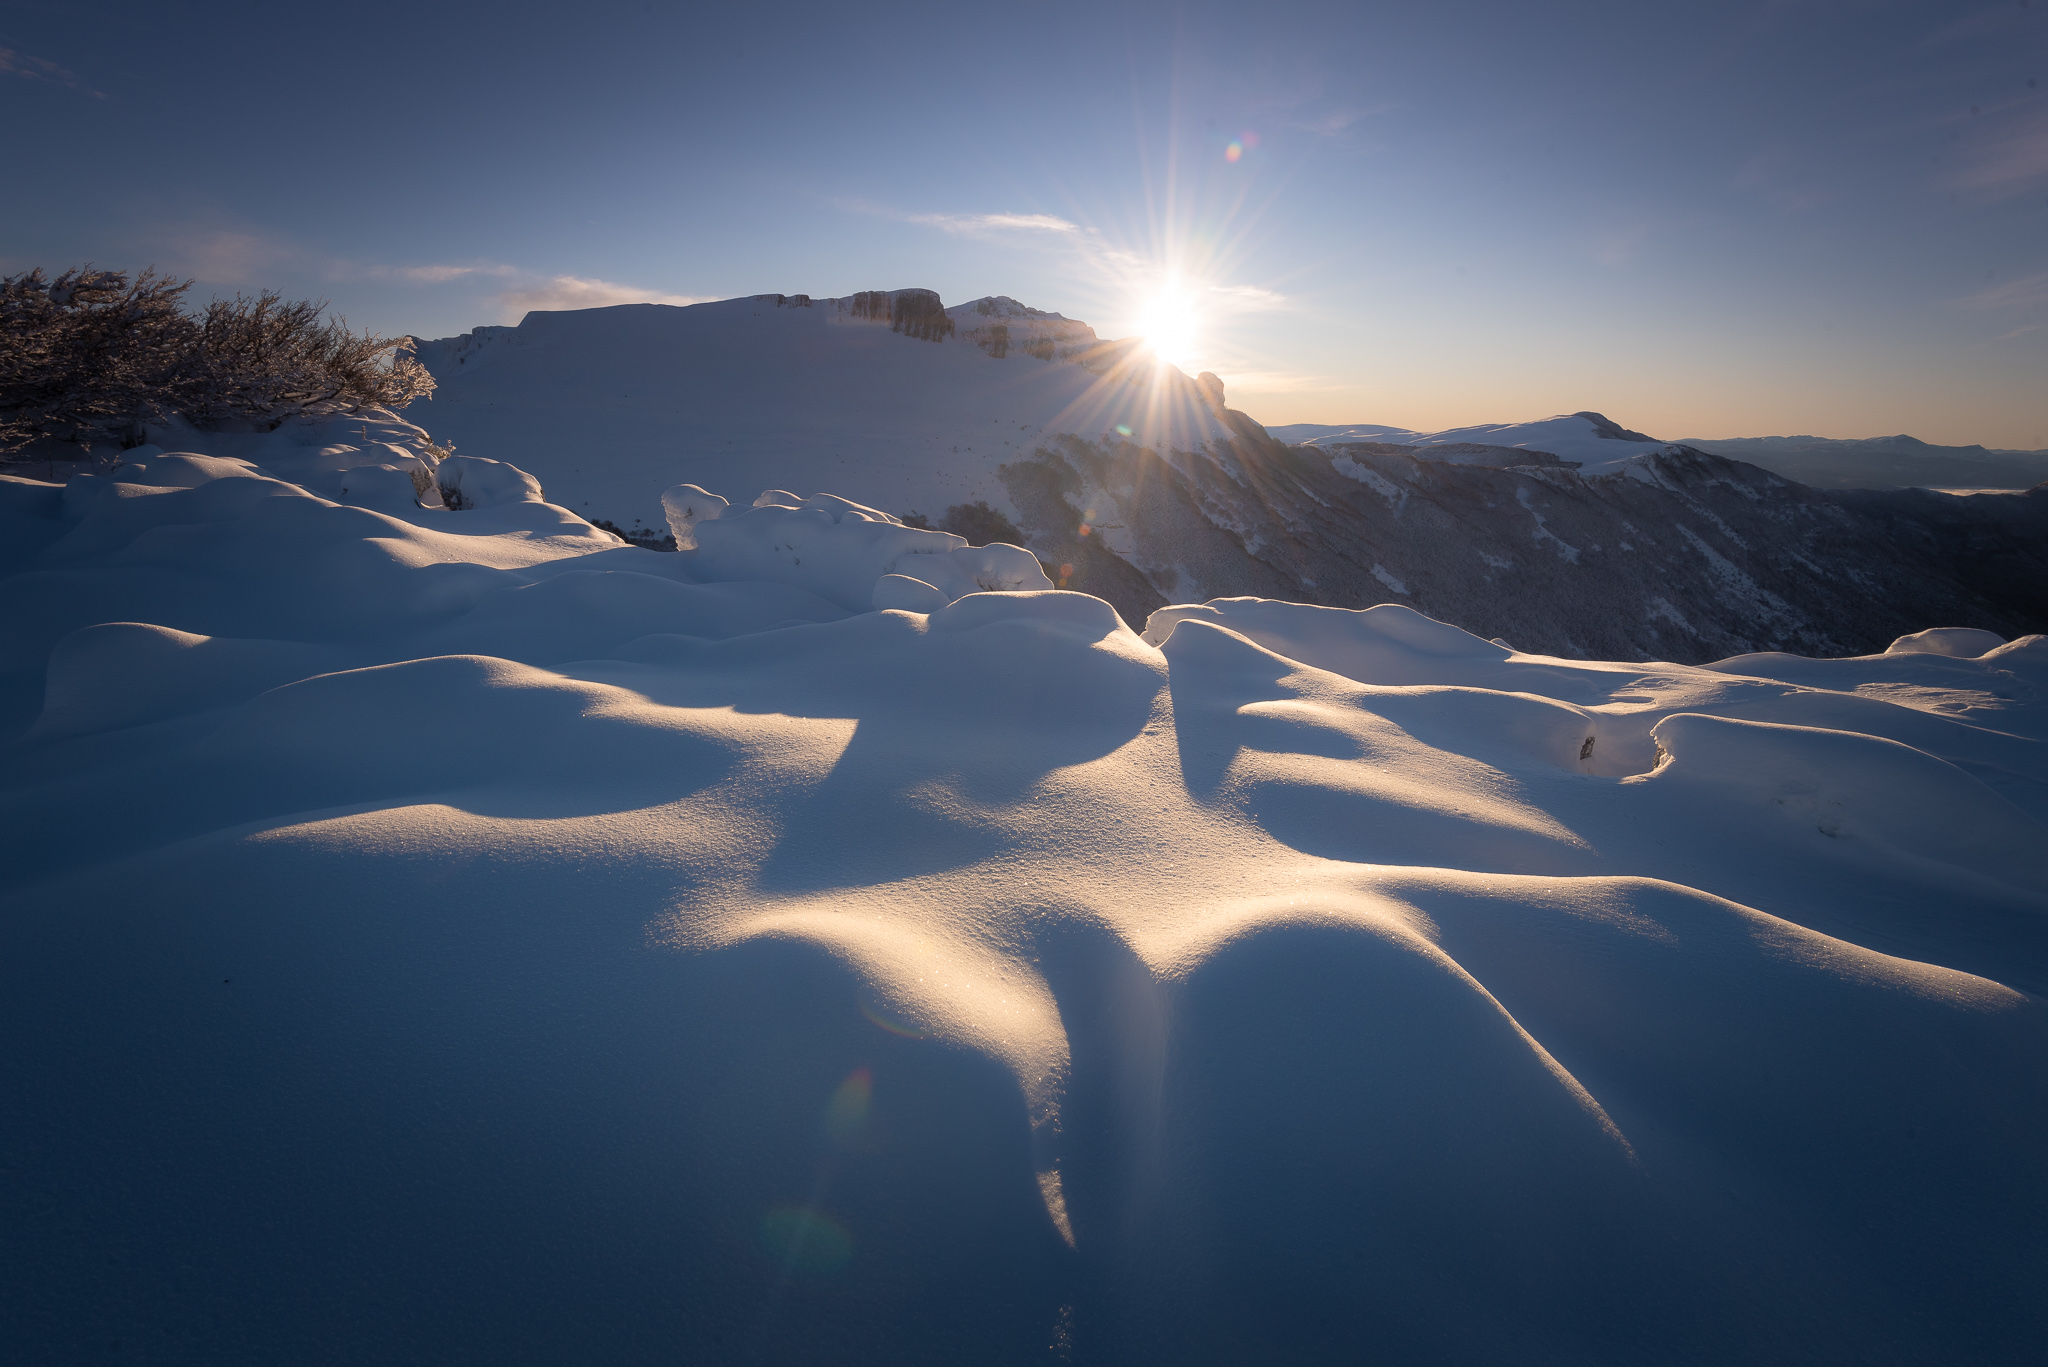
[[1884, 462], [1131, 481], [914, 405], [1600, 445], [1595, 444]]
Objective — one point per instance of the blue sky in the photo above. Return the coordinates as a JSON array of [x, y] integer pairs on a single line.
[[1706, 220]]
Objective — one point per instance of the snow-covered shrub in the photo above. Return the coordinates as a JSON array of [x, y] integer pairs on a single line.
[[474, 482], [265, 360], [90, 354], [94, 356], [980, 524], [976, 522]]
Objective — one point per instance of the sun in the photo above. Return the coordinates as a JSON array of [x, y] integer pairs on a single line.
[[1170, 324]]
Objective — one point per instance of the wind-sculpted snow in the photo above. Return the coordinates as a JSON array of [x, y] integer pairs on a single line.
[[841, 551], [443, 936]]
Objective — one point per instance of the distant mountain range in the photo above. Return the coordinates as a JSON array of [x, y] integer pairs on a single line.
[[1600, 445], [1573, 535], [1884, 462]]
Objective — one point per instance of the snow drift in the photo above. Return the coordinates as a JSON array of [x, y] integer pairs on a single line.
[[456, 936]]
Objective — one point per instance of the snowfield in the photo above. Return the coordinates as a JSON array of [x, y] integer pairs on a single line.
[[453, 937]]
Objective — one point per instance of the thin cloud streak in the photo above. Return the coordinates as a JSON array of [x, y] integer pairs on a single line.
[[1276, 382], [577, 292], [435, 275], [238, 259], [2008, 163], [976, 225], [2027, 292], [33, 68]]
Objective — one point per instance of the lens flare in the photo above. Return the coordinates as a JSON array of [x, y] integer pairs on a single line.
[[880, 1015], [804, 1239], [1233, 151], [846, 1116]]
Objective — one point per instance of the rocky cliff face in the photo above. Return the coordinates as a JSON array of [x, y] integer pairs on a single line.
[[1679, 555]]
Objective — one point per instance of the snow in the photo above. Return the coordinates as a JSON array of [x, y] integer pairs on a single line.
[[1569, 436], [838, 549], [1965, 642], [458, 936]]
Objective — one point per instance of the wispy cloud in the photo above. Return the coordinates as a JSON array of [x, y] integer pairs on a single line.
[[435, 275], [2030, 291], [45, 71], [1274, 382], [1247, 298], [2011, 159], [1328, 123], [1788, 177], [578, 292], [246, 257], [982, 225]]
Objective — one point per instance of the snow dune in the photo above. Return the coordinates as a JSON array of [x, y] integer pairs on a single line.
[[459, 937]]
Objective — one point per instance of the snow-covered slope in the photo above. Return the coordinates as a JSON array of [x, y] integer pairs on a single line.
[[1676, 555], [810, 395], [456, 937]]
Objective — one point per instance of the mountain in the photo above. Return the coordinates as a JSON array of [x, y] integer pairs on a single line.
[[1590, 441], [1600, 445], [915, 405], [1574, 535], [1675, 555], [1884, 462]]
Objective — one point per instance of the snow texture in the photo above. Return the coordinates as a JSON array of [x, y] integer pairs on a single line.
[[457, 936]]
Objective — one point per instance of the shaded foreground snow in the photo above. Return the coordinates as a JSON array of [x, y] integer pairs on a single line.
[[459, 937]]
